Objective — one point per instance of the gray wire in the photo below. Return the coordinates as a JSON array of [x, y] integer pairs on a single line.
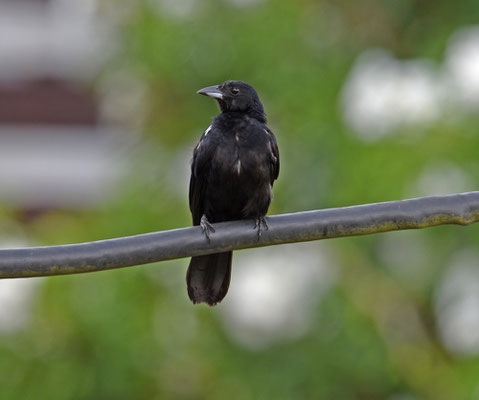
[[460, 209]]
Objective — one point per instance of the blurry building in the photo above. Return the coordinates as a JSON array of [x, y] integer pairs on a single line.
[[55, 150]]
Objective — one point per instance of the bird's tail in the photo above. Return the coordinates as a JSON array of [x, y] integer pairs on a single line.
[[208, 278]]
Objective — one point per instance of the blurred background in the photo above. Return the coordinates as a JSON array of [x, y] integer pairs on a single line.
[[371, 101]]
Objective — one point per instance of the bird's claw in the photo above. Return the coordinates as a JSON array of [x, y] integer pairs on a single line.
[[260, 224], [206, 227]]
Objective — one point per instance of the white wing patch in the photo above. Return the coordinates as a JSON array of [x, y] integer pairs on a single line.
[[204, 135], [238, 167], [271, 154]]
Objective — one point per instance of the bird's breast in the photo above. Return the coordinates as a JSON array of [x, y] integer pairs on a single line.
[[237, 159]]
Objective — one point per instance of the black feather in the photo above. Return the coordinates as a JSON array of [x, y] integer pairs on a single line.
[[234, 166], [208, 278]]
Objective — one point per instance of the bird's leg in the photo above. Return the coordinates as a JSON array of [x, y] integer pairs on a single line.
[[260, 224], [206, 227]]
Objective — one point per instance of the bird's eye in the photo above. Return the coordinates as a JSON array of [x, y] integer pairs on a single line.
[[235, 90]]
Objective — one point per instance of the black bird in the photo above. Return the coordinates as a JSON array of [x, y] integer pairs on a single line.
[[234, 166]]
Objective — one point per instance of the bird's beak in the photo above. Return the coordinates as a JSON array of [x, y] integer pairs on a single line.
[[212, 91]]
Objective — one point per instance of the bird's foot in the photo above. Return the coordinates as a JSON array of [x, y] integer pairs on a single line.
[[260, 224], [206, 227]]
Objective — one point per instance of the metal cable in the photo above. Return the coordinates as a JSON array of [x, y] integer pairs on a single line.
[[460, 209]]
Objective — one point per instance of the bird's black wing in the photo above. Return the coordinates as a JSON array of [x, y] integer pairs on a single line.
[[274, 156], [199, 175]]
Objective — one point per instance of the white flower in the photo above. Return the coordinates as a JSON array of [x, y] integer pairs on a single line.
[[457, 304], [462, 65], [440, 178], [16, 299], [274, 292], [383, 94]]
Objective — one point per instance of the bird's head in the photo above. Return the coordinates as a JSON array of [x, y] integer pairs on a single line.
[[236, 96]]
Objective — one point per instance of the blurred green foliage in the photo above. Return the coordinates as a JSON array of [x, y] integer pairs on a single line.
[[132, 334]]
